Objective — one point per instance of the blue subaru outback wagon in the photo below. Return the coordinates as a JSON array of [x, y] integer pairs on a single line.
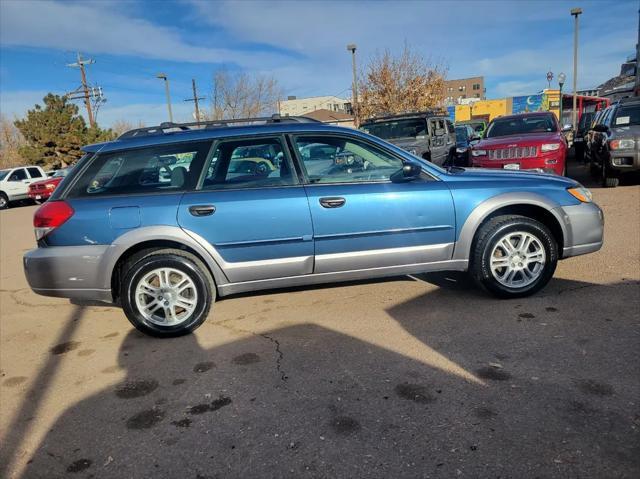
[[165, 219]]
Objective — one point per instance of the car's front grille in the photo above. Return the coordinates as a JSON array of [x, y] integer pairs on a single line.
[[512, 153]]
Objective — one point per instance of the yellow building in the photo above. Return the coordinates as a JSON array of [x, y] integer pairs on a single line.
[[483, 109]]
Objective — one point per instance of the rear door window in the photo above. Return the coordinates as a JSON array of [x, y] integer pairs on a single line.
[[34, 173], [163, 168], [254, 163]]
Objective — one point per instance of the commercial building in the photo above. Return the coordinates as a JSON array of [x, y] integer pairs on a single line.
[[294, 106], [332, 117], [457, 91]]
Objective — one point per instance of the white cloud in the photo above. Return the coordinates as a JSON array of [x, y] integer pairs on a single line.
[[100, 27], [14, 104]]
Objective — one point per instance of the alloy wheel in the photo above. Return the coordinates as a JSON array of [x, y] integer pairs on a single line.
[[517, 259], [166, 296]]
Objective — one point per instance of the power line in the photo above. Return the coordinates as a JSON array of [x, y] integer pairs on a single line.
[[195, 99]]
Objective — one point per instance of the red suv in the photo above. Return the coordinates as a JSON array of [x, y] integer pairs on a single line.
[[41, 190], [528, 141]]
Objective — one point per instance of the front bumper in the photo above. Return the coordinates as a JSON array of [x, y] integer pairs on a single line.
[[624, 160], [583, 228], [548, 163], [68, 272]]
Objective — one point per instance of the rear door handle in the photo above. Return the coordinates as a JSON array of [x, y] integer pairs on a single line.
[[333, 202], [202, 210]]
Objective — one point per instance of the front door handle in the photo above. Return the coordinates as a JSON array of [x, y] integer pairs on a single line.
[[332, 202], [202, 210]]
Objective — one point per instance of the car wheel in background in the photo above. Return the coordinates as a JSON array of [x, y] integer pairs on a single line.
[[4, 201], [166, 292], [513, 256], [608, 180]]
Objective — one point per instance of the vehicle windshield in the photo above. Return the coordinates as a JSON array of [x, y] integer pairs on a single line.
[[3, 174], [410, 128], [462, 135], [520, 125], [627, 115]]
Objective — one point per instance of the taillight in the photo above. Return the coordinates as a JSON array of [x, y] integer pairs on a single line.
[[49, 216]]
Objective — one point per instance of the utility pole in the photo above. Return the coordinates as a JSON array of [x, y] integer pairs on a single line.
[[575, 12], [356, 113], [195, 99], [85, 89]]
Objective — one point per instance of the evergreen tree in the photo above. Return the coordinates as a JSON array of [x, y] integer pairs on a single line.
[[55, 133]]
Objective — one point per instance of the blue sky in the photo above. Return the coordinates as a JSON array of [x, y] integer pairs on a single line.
[[303, 44]]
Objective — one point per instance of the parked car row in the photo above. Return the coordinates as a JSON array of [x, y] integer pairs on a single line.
[[28, 183], [611, 145]]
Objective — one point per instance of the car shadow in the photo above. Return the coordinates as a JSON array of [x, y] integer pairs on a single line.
[[540, 386]]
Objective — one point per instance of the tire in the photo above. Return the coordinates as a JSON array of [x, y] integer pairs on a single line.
[[608, 181], [180, 267], [488, 243], [4, 201]]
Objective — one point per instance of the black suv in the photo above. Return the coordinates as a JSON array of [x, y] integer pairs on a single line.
[[614, 145], [429, 134]]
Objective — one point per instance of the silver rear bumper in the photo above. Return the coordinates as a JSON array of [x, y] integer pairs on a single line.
[[68, 272], [583, 228]]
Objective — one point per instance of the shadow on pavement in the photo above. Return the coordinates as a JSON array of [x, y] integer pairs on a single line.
[[21, 423], [555, 398]]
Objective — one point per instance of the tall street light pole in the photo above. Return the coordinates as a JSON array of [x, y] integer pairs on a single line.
[[163, 76], [561, 79], [354, 90], [575, 12]]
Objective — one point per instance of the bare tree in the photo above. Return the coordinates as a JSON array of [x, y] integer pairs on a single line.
[[121, 126], [238, 95], [10, 142], [396, 84]]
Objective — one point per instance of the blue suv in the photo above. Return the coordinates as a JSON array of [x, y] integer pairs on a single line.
[[166, 219]]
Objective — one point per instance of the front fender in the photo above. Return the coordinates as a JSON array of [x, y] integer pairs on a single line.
[[462, 249]]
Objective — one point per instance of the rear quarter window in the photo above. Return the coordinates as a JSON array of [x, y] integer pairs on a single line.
[[164, 168]]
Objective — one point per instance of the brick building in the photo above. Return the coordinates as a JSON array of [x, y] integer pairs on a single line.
[[463, 89]]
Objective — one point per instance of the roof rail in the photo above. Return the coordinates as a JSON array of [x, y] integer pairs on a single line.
[[168, 127]]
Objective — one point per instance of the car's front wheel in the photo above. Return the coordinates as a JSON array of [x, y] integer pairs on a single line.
[[166, 292], [514, 256]]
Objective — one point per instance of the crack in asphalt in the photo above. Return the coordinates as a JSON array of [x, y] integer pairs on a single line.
[[280, 354], [280, 357]]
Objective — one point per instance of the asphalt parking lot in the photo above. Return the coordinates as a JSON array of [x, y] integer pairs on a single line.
[[407, 377]]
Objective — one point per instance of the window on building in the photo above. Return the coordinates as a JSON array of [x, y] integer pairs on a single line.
[[476, 86]]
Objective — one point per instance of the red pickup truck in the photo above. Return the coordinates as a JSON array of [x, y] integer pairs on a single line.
[[528, 141], [40, 191]]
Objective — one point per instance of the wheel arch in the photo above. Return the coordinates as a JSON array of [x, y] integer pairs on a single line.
[[151, 238], [530, 205]]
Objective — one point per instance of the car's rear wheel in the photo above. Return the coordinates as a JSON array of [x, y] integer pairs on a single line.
[[514, 256], [4, 201], [166, 292]]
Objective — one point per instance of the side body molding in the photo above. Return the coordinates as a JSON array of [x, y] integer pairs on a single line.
[[462, 250]]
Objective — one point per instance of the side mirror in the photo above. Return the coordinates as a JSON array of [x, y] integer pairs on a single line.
[[409, 172], [600, 128]]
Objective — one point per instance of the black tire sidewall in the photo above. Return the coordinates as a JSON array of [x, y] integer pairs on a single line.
[[546, 239], [183, 264]]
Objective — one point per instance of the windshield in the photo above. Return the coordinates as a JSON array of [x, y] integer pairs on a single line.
[[520, 125], [3, 174], [410, 128], [627, 115]]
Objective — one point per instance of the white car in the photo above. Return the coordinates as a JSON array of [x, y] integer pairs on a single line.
[[14, 183]]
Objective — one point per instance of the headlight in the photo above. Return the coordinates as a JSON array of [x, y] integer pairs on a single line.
[[478, 152], [581, 193], [623, 144], [550, 147], [412, 151], [460, 150]]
